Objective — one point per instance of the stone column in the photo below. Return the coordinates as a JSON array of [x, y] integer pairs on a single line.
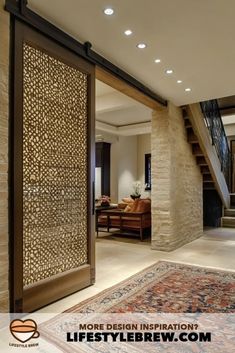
[[4, 74], [177, 214]]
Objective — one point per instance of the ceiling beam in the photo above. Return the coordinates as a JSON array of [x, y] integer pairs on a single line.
[[122, 86]]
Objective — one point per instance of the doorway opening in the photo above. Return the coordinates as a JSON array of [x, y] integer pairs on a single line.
[[123, 167]]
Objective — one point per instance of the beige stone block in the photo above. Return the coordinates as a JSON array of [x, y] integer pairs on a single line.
[[3, 186], [3, 250], [164, 206], [4, 102], [3, 155], [3, 233], [4, 110], [3, 195], [3, 177], [3, 204], [4, 76], [4, 301], [4, 53], [4, 277], [5, 22], [3, 219], [4, 125], [4, 280], [3, 149], [3, 145], [3, 215], [3, 168]]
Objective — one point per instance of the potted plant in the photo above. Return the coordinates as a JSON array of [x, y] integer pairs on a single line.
[[136, 190]]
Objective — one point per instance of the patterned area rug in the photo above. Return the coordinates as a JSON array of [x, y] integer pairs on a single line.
[[167, 287]]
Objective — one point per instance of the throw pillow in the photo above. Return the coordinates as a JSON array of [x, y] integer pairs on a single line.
[[132, 207], [127, 200]]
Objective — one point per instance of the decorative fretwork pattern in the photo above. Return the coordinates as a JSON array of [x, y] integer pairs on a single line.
[[54, 166]]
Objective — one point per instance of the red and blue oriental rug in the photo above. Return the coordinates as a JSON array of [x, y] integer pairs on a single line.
[[167, 287]]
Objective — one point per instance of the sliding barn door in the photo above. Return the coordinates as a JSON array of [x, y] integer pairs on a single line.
[[53, 172]]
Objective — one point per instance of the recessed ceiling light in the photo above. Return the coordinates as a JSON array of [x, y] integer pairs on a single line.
[[169, 71], [108, 11], [188, 90], [141, 45], [128, 32], [179, 81], [157, 61]]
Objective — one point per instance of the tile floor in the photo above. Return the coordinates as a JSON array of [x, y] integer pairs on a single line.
[[119, 258]]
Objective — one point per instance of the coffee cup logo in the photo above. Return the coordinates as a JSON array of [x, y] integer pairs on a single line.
[[23, 331]]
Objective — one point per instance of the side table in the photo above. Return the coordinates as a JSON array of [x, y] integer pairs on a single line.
[[98, 210]]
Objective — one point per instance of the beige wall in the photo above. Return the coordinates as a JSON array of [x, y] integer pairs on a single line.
[[128, 165], [176, 183], [230, 130], [4, 67], [144, 147]]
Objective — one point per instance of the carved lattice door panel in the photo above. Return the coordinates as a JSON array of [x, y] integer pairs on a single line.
[[53, 171]]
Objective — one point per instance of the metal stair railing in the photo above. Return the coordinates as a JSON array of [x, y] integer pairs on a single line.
[[213, 120]]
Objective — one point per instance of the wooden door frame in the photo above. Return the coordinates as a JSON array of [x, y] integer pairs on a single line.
[[68, 282]]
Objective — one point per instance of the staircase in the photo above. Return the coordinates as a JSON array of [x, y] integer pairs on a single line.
[[206, 147], [208, 182], [206, 135], [228, 220]]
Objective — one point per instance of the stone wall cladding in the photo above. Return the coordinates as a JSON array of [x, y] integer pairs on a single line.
[[177, 209], [4, 74]]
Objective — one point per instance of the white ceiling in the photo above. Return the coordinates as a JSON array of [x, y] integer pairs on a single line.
[[196, 38], [228, 119], [101, 89], [119, 115], [115, 108]]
